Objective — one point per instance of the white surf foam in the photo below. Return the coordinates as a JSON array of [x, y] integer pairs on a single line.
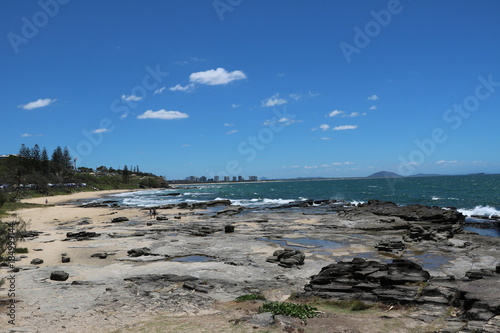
[[481, 211]]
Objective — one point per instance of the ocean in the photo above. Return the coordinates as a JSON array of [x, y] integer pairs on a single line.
[[471, 194]]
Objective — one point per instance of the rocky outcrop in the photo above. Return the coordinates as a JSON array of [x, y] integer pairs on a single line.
[[287, 258], [59, 276], [119, 219], [81, 235], [413, 212]]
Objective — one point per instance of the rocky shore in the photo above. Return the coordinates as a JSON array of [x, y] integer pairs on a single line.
[[110, 269]]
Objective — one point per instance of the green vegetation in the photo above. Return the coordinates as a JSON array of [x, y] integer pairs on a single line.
[[250, 297], [21, 250], [302, 311], [32, 173], [10, 234]]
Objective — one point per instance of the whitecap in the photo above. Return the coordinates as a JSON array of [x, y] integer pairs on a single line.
[[481, 211]]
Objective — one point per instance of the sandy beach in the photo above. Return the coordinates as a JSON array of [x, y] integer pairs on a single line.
[[192, 270]]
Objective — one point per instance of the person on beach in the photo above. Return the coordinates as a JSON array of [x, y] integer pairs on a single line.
[[46, 201], [150, 212], [154, 212]]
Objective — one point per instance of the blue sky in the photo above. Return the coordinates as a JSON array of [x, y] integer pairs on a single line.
[[269, 88]]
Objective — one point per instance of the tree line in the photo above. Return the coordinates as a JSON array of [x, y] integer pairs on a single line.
[[36, 168]]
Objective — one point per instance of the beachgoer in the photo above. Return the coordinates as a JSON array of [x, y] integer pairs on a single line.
[[154, 212]]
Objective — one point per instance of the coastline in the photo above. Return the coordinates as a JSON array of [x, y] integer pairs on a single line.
[[232, 263]]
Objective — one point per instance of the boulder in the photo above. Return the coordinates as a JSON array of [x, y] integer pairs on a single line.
[[137, 252], [229, 229], [36, 261], [120, 219], [287, 258], [65, 259], [59, 276], [81, 235]]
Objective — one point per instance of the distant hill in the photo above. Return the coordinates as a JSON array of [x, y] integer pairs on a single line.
[[384, 174]]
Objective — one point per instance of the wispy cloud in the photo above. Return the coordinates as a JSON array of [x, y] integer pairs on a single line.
[[39, 103], [283, 121], [324, 127], [100, 130], [354, 114], [27, 135], [131, 98], [373, 107], [326, 138], [273, 101], [231, 132], [345, 127], [342, 163], [160, 90], [295, 96], [217, 76], [162, 114], [446, 162], [335, 113], [178, 87], [228, 124], [235, 105], [373, 98]]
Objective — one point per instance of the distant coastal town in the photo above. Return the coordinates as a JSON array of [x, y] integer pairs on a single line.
[[215, 179]]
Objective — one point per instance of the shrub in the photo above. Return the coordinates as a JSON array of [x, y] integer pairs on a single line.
[[250, 297], [302, 311]]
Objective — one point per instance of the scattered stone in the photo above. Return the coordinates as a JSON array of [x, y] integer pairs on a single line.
[[265, 319], [37, 250], [81, 235], [161, 218], [390, 245], [99, 255], [287, 258], [120, 219], [229, 229], [59, 276], [65, 260], [37, 261], [177, 217], [137, 252]]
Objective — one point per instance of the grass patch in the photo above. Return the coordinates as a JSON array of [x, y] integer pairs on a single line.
[[302, 311], [21, 250], [250, 297], [2, 282], [12, 206]]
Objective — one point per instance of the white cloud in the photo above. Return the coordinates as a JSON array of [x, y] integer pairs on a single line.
[[186, 145], [39, 103], [280, 74], [373, 107], [132, 98], [235, 105], [326, 138], [217, 76], [443, 162], [159, 90], [342, 163], [373, 98], [273, 101], [354, 114], [232, 132], [283, 121], [27, 135], [162, 114], [228, 124], [310, 167], [178, 87], [335, 113], [324, 127], [295, 96], [100, 130], [345, 127]]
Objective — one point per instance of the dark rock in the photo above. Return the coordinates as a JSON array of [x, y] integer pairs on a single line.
[[229, 211], [81, 235], [59, 276], [229, 229], [287, 258], [65, 259], [99, 255], [196, 287], [497, 269], [137, 252], [390, 245], [177, 217], [120, 219], [36, 261], [161, 218]]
